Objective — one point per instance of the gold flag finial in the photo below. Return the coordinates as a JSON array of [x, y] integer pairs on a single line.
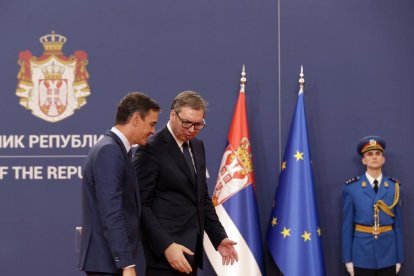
[[243, 79], [301, 80]]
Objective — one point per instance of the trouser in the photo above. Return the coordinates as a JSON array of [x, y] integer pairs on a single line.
[[101, 274], [170, 272], [386, 271]]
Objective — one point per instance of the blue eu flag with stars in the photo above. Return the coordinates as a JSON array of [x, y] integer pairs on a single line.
[[294, 233]]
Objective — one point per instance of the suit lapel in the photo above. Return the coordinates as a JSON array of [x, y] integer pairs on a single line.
[[383, 189], [196, 151], [119, 142], [368, 188], [128, 159], [176, 153], [196, 155], [131, 170]]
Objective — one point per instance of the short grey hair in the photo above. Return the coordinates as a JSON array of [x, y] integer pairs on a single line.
[[189, 99]]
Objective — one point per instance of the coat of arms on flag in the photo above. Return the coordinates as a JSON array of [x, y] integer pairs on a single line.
[[53, 85], [234, 174]]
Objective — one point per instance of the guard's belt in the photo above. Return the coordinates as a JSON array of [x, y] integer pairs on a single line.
[[372, 229]]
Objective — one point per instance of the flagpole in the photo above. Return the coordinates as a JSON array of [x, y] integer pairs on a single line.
[[280, 82]]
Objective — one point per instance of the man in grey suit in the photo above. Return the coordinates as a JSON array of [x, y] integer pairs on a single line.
[[111, 206], [176, 206]]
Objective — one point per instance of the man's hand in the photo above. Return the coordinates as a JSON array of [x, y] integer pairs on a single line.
[[130, 271], [350, 268], [228, 252], [175, 257], [397, 267]]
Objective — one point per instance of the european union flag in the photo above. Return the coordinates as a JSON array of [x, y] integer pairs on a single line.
[[294, 234]]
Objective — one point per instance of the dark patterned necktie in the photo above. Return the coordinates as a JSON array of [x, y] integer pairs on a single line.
[[188, 159], [376, 186]]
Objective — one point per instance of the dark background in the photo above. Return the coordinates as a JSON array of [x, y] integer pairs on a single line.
[[357, 58]]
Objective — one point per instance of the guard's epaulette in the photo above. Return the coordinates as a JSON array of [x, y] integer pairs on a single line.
[[393, 179], [352, 180]]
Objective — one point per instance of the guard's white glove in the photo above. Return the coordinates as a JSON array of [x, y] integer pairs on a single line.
[[350, 268], [397, 267]]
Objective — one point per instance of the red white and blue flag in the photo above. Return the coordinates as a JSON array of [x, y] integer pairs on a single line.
[[235, 199]]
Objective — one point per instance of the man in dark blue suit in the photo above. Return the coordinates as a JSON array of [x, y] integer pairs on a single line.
[[111, 206], [372, 239], [176, 206]]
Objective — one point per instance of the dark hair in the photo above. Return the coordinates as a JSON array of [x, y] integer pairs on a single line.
[[134, 102], [189, 99]]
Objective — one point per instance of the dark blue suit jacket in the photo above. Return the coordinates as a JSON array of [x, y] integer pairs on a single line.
[[362, 248], [175, 206], [111, 209]]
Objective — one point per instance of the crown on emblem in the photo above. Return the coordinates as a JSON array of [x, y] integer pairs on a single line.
[[244, 154], [53, 42], [53, 72]]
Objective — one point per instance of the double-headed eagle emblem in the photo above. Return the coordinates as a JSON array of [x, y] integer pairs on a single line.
[[53, 85]]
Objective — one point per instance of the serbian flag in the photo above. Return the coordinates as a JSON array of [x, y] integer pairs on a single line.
[[235, 199]]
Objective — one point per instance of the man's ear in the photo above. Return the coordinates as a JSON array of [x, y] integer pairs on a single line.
[[172, 112], [135, 119], [363, 161]]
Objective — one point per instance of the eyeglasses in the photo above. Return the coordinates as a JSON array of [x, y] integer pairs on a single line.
[[188, 125]]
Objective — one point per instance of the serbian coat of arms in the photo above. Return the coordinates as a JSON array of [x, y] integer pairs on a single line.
[[235, 173], [53, 86]]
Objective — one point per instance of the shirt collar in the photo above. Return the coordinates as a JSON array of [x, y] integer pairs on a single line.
[[178, 141], [122, 137], [371, 179]]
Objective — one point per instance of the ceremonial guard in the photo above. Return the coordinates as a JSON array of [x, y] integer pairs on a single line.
[[372, 238]]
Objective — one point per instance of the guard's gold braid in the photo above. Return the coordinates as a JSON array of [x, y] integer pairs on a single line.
[[387, 209]]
